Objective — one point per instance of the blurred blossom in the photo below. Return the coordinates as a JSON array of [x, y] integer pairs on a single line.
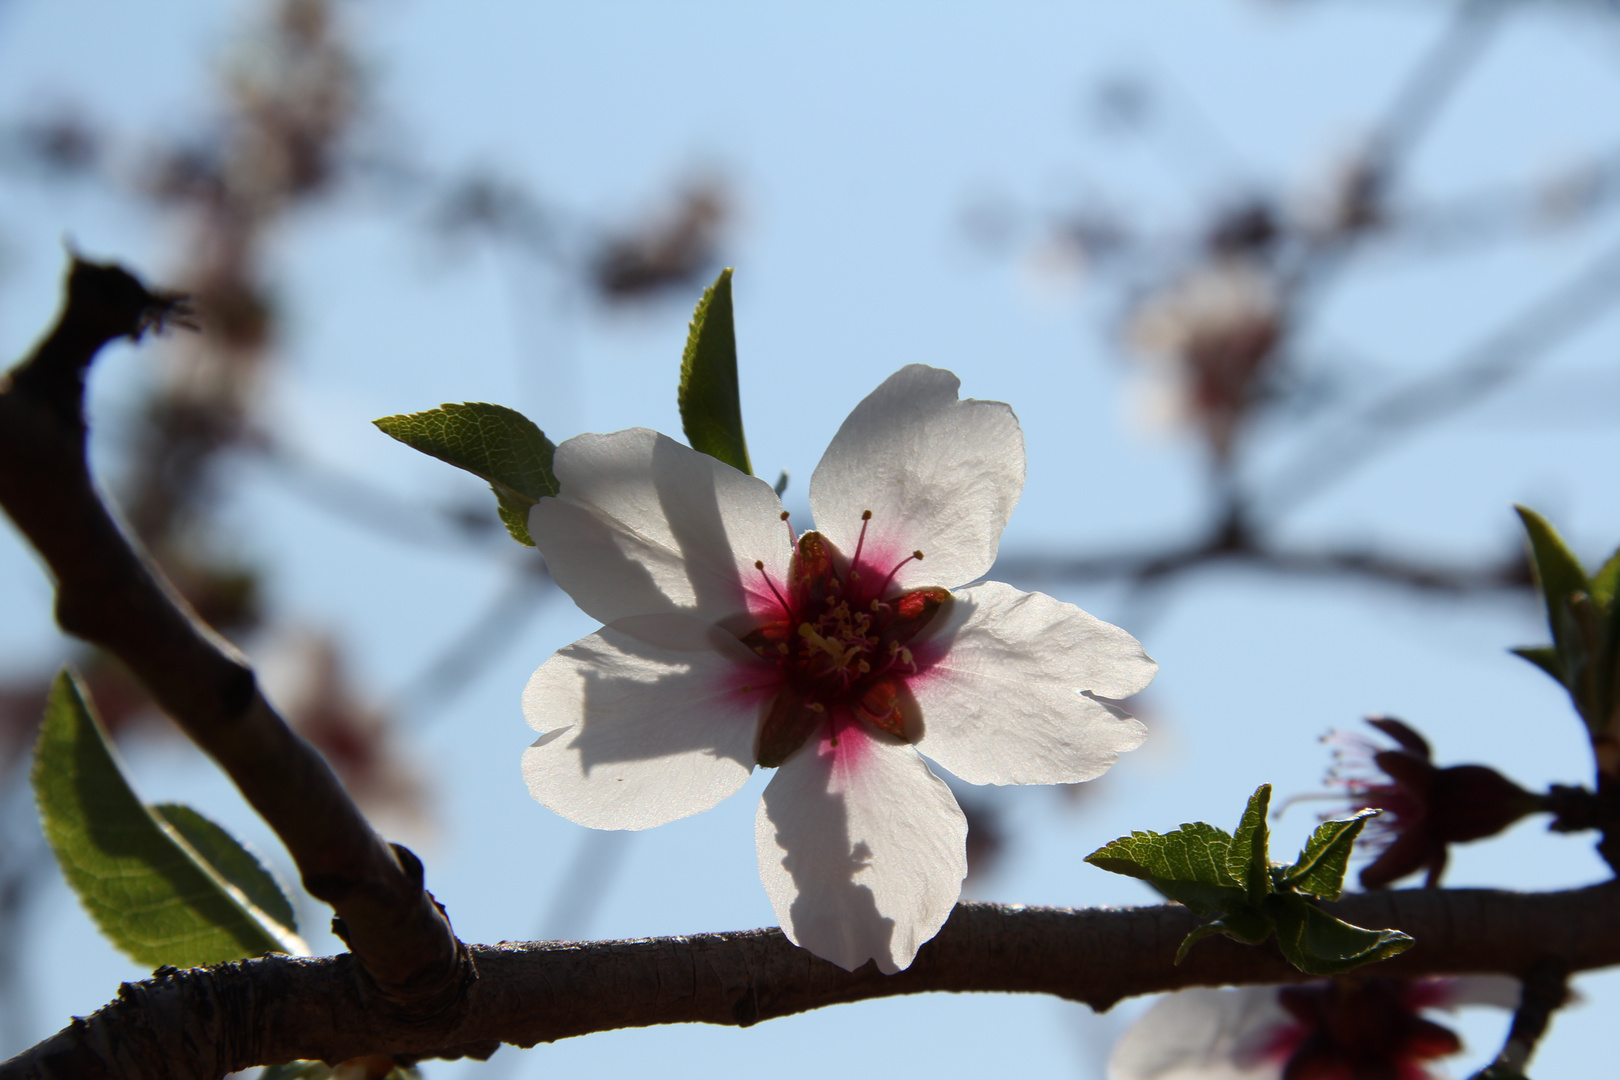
[[1425, 808], [1249, 228], [986, 834], [1207, 340], [306, 678], [671, 250], [1356, 1029], [1347, 200]]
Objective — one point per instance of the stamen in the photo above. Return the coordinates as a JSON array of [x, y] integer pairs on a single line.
[[914, 556], [759, 565], [793, 537], [866, 516]]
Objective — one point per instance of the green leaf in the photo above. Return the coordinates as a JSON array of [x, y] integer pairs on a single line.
[[1319, 870], [1606, 581], [1544, 657], [1319, 944], [1189, 865], [231, 861], [711, 413], [1243, 923], [148, 889], [1558, 571], [497, 444], [1247, 860]]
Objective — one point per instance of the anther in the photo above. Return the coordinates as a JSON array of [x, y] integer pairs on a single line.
[[815, 706], [866, 515], [917, 555], [785, 515]]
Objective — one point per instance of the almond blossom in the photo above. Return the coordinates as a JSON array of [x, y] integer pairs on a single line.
[[1370, 1029], [839, 656]]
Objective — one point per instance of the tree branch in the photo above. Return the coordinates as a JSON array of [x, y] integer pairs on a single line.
[[199, 1024], [109, 593]]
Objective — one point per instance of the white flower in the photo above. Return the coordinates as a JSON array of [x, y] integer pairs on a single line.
[[837, 655], [1318, 1031]]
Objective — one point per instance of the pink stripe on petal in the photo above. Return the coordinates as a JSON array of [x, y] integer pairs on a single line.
[[848, 742]]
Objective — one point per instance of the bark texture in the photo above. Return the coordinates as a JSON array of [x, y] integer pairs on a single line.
[[200, 1024]]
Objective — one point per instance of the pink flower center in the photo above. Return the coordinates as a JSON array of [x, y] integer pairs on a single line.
[[841, 645]]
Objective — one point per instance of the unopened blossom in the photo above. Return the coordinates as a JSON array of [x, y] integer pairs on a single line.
[[1362, 1029], [839, 656], [1425, 808]]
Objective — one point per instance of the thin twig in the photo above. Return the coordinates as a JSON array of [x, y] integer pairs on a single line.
[[1155, 567], [1480, 370], [1544, 991], [518, 598]]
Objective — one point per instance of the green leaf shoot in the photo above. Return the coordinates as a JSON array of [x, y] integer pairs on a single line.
[[1606, 581], [1230, 880], [1188, 865], [1544, 657], [1246, 860], [1320, 944], [154, 894], [1320, 868], [1558, 572], [499, 445], [711, 410]]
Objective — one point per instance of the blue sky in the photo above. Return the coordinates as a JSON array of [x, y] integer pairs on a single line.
[[854, 138]]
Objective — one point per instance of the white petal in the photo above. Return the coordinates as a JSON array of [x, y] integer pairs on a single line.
[[1203, 1035], [862, 849], [941, 476], [644, 524], [1001, 686], [645, 721]]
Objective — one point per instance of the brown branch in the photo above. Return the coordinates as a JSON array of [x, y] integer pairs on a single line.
[[110, 594], [199, 1024]]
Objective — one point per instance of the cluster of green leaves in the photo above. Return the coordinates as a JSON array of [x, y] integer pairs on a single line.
[[1585, 622], [165, 884], [1230, 879], [510, 453]]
